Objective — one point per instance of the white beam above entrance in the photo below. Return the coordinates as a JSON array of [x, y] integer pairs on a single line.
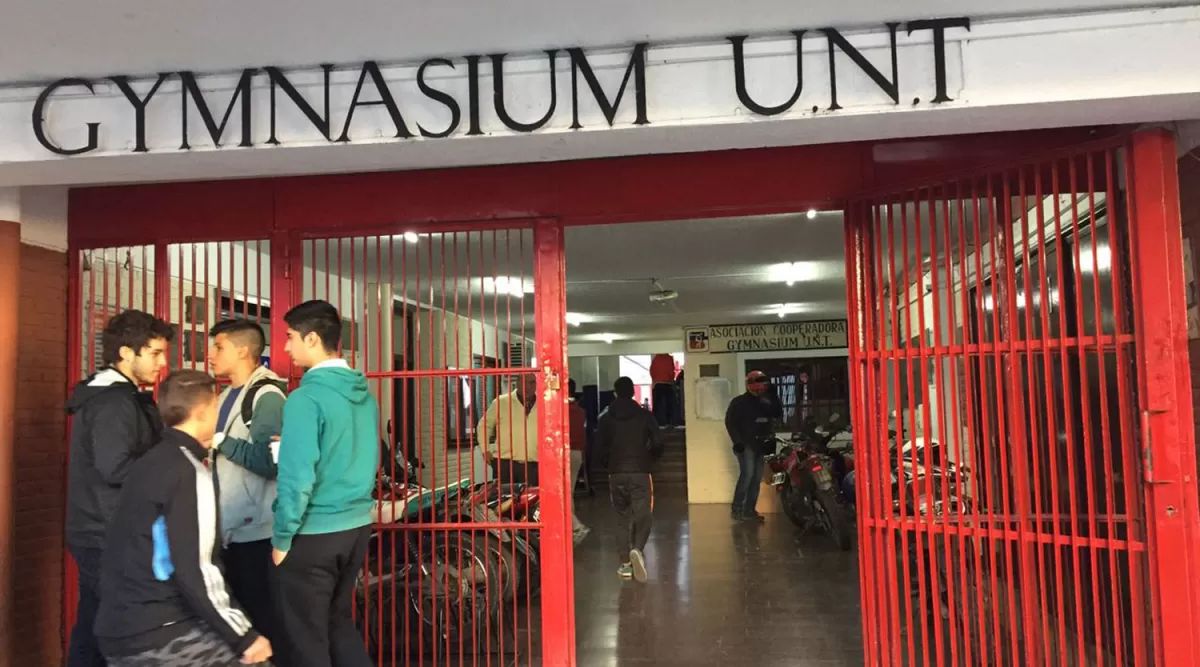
[[1004, 74]]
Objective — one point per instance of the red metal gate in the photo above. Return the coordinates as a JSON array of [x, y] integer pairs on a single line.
[[1023, 423], [443, 320]]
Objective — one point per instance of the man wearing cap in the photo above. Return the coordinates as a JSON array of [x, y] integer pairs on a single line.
[[748, 421]]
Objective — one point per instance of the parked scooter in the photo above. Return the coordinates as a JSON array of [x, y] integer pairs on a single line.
[[803, 476]]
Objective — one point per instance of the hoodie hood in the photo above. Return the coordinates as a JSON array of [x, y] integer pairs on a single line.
[[102, 382], [340, 379], [624, 409]]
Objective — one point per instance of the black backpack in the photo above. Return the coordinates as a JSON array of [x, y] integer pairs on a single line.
[[252, 392]]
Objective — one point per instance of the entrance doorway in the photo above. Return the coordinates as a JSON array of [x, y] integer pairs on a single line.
[[995, 364]]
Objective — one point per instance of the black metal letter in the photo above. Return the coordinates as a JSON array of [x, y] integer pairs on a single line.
[[498, 90], [892, 88], [473, 128], [739, 76], [39, 120], [443, 97], [278, 79], [370, 68], [242, 91], [139, 107], [938, 26], [636, 67]]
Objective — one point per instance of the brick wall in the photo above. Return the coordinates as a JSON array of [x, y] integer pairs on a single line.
[[40, 458]]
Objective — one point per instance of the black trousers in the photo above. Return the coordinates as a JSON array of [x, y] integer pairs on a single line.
[[633, 497], [248, 574], [84, 651], [507, 471], [663, 399], [313, 592]]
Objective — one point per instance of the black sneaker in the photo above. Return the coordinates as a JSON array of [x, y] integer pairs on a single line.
[[753, 517]]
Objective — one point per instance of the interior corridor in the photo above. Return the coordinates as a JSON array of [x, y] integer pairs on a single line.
[[719, 593]]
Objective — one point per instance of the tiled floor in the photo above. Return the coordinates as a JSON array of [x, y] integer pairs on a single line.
[[719, 593]]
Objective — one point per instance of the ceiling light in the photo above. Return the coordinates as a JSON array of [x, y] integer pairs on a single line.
[[574, 319], [411, 237], [608, 338], [793, 272], [513, 287], [812, 214], [785, 309]]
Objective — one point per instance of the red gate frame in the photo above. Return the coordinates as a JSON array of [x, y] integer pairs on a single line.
[[671, 187]]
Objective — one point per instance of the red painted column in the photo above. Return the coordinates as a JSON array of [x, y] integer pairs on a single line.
[[1167, 434], [10, 273]]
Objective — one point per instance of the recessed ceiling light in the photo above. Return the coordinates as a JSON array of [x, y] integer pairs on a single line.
[[608, 338], [812, 213], [514, 287], [411, 237], [793, 272], [574, 319]]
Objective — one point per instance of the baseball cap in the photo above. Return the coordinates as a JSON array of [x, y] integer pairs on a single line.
[[757, 379]]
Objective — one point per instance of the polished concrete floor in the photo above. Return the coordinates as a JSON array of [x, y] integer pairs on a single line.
[[719, 593]]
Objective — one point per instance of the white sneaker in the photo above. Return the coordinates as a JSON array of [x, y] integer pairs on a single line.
[[581, 534], [638, 562]]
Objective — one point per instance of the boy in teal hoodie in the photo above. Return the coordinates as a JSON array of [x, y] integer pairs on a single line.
[[328, 461]]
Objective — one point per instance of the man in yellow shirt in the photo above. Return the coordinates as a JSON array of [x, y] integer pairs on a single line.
[[508, 433]]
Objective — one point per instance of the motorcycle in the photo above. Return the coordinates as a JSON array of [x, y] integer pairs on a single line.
[[803, 476]]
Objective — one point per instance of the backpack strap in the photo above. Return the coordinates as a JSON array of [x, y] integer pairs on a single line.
[[252, 393]]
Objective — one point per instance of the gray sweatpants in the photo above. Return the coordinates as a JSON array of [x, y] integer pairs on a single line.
[[633, 497], [198, 648]]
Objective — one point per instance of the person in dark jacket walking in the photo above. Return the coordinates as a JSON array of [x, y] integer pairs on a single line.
[[113, 424], [163, 599], [629, 441], [748, 421]]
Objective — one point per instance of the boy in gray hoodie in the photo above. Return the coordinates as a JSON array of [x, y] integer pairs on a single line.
[[250, 415]]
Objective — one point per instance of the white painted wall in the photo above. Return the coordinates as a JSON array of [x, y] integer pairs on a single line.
[[1005, 74]]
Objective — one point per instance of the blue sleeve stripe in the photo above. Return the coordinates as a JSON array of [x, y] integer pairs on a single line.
[[163, 567]]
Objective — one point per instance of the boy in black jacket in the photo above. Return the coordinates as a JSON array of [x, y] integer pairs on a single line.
[[629, 441], [163, 599], [113, 423]]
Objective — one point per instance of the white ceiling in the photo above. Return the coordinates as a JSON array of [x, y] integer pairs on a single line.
[[88, 38], [720, 268]]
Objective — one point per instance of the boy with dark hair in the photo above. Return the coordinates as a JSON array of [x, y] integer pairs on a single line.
[[113, 424], [328, 460], [629, 442], [250, 415], [163, 599]]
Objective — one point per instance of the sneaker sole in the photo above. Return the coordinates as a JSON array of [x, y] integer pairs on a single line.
[[638, 561]]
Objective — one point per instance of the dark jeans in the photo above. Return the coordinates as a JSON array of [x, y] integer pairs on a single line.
[[84, 651], [633, 497], [313, 594], [663, 399], [750, 472], [248, 574], [520, 472]]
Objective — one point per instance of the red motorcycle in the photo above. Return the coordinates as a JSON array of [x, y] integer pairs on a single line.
[[803, 474]]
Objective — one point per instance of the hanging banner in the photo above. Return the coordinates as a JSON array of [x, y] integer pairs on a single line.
[[732, 338]]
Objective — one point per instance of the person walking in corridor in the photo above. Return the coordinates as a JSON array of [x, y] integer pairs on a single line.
[[577, 420], [328, 460], [163, 599], [629, 441], [251, 414], [748, 420], [113, 424]]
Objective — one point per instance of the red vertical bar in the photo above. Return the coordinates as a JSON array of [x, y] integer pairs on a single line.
[[1166, 401], [285, 278], [77, 324], [558, 594]]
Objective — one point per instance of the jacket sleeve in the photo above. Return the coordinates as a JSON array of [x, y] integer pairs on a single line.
[[198, 578], [486, 427], [733, 424], [114, 438], [254, 454], [299, 452]]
